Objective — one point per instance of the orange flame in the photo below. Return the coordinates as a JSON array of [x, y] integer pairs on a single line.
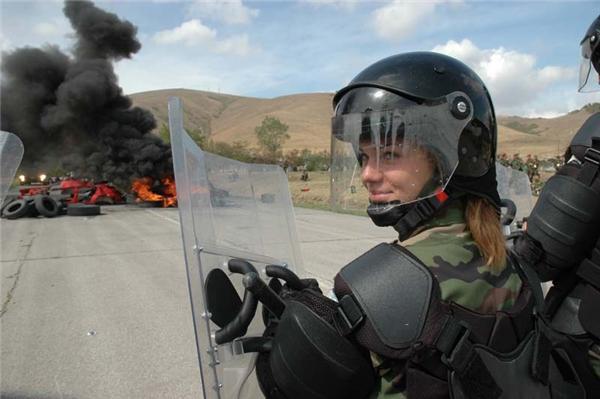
[[142, 188], [170, 190]]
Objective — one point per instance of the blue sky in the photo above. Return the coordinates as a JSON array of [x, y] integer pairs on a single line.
[[526, 52]]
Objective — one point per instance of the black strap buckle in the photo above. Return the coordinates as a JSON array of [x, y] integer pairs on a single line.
[[348, 315], [454, 344], [592, 155], [459, 355]]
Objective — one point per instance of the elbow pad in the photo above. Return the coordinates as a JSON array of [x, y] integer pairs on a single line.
[[565, 222]]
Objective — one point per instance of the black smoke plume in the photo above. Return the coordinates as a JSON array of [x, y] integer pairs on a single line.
[[71, 108]]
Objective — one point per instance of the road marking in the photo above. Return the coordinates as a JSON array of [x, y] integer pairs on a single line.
[[162, 216]]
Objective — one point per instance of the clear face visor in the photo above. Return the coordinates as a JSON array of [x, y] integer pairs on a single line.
[[396, 156], [589, 80]]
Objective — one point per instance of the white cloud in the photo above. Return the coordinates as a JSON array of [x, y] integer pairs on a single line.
[[232, 12], [513, 78], [190, 33], [347, 5], [238, 45], [195, 34], [557, 102], [5, 43], [399, 19], [55, 28], [45, 29]]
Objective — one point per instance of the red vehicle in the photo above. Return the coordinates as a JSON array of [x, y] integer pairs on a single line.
[[73, 191]]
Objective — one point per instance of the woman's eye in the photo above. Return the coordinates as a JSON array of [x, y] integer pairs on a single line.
[[362, 159], [390, 155]]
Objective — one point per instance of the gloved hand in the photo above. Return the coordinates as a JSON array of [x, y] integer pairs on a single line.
[[304, 334], [305, 290]]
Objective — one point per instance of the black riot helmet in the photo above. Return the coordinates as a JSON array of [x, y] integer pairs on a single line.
[[589, 69], [420, 104]]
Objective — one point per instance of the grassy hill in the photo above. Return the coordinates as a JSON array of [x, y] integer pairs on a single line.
[[540, 136], [231, 118]]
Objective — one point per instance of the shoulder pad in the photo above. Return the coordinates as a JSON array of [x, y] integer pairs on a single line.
[[393, 290]]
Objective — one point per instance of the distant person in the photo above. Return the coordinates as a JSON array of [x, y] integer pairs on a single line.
[[304, 176], [503, 159], [516, 162]]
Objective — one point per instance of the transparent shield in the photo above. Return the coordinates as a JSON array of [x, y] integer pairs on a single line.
[[11, 153], [228, 209], [397, 155], [514, 185], [588, 76]]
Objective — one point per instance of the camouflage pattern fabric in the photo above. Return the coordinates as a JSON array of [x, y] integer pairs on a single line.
[[594, 356], [450, 252]]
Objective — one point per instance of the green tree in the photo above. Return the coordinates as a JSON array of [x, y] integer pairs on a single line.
[[199, 138], [163, 132], [195, 134], [238, 150], [271, 134], [293, 158]]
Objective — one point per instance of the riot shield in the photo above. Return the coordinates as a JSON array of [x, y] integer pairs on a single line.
[[228, 209], [11, 153], [514, 185]]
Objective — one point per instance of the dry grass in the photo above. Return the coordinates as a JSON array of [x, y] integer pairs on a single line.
[[313, 193]]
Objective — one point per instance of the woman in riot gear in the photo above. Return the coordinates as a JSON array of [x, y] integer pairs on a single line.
[[441, 312], [423, 130]]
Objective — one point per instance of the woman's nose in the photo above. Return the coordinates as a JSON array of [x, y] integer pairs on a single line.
[[370, 172]]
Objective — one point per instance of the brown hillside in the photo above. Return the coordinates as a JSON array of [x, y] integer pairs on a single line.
[[307, 115], [229, 118], [200, 107], [540, 136]]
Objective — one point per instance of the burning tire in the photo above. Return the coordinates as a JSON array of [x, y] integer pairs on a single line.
[[83, 210], [104, 201], [46, 205], [32, 211], [150, 204], [62, 208], [7, 202], [16, 209]]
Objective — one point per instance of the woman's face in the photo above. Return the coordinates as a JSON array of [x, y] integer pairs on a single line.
[[400, 175]]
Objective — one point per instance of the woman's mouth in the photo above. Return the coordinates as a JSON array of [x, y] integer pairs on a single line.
[[380, 196]]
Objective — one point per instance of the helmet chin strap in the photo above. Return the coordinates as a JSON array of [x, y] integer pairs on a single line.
[[405, 218]]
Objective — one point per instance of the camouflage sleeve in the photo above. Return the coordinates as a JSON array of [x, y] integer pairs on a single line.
[[594, 357], [462, 273]]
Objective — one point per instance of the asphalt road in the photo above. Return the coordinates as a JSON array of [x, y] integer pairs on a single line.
[[98, 307]]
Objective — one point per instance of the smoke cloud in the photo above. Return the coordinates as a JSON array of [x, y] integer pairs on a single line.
[[71, 108]]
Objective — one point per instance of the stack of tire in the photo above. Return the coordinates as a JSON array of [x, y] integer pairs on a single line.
[[45, 205]]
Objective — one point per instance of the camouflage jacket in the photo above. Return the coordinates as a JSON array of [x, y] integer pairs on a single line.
[[450, 252]]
